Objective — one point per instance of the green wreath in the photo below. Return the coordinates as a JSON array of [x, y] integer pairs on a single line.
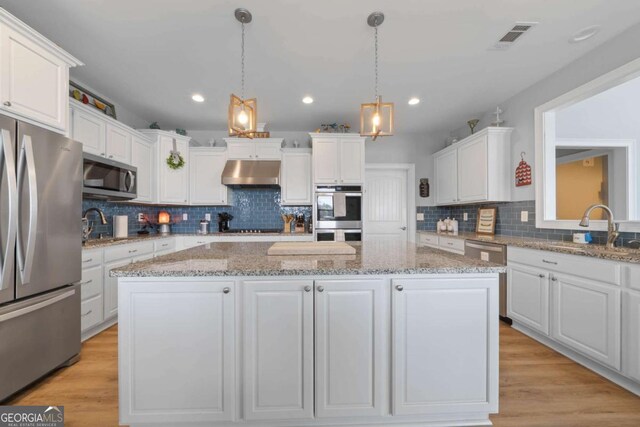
[[173, 163]]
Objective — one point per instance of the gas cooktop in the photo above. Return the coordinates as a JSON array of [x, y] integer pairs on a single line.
[[253, 230]]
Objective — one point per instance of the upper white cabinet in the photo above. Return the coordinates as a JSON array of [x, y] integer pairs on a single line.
[[205, 180], [295, 177], [34, 75], [142, 157], [338, 158], [172, 185], [118, 144], [254, 149], [89, 129], [476, 169]]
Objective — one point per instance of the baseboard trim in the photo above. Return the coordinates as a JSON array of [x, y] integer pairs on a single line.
[[95, 330]]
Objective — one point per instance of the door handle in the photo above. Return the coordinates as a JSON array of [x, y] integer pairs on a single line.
[[132, 181], [7, 155], [25, 255]]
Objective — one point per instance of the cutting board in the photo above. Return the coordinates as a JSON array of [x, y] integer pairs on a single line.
[[311, 248]]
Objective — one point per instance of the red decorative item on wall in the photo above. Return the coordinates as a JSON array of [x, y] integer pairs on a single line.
[[523, 172]]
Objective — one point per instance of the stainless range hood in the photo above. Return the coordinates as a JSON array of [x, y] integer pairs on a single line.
[[251, 173]]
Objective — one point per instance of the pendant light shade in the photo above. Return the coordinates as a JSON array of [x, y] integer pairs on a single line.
[[376, 118], [243, 113]]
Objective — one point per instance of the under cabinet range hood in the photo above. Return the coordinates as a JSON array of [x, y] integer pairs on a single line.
[[257, 173]]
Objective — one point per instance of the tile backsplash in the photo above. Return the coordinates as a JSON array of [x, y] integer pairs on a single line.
[[508, 221], [251, 208]]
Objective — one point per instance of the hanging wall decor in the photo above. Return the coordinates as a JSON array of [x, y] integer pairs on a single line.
[[243, 113], [523, 172]]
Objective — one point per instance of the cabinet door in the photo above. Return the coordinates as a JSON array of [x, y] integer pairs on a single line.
[[586, 317], [118, 146], [33, 82], [268, 150], [445, 346], [278, 350], [631, 334], [351, 347], [187, 375], [472, 171], [326, 169], [173, 184], [446, 165], [142, 158], [528, 297], [296, 179], [351, 161], [111, 288], [206, 178], [90, 131], [240, 150]]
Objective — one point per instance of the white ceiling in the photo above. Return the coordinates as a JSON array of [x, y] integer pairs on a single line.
[[151, 55]]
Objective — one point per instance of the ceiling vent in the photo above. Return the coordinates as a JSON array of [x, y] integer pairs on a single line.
[[513, 35]]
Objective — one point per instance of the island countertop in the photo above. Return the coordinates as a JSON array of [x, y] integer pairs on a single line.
[[251, 259]]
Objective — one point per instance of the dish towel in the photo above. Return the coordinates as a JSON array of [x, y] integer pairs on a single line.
[[339, 205]]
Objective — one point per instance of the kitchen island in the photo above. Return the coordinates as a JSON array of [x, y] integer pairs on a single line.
[[223, 334]]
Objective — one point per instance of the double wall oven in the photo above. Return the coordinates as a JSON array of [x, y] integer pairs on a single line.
[[338, 213]]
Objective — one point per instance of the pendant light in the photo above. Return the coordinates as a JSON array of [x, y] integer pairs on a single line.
[[376, 118], [242, 112]]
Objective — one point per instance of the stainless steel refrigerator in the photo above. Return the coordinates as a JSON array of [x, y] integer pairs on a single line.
[[40, 252]]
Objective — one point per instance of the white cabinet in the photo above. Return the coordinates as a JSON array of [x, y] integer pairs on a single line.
[[444, 355], [118, 145], [90, 130], [278, 350], [170, 380], [476, 169], [205, 176], [450, 243], [142, 158], [34, 75], [351, 347], [528, 296], [295, 178], [631, 334], [110, 296], [586, 317], [254, 149], [338, 159]]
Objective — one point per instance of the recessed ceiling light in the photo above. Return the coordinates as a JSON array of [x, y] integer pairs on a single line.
[[585, 34], [414, 101], [197, 97], [307, 100]]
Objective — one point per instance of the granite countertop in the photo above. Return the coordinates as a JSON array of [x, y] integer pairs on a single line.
[[251, 259], [622, 254]]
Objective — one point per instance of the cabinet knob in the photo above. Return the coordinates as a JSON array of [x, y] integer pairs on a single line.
[[307, 288], [403, 228], [7, 103], [542, 276], [102, 154], [226, 290], [400, 288], [320, 288], [554, 279], [111, 156]]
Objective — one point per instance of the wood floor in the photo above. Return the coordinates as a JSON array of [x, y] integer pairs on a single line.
[[538, 387]]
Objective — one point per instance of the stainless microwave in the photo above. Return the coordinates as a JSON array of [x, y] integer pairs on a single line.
[[108, 179]]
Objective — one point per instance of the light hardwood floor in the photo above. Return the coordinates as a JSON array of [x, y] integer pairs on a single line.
[[538, 387]]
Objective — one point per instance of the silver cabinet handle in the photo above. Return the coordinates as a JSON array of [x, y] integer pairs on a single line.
[[88, 260], [133, 251], [8, 253], [86, 282], [87, 313], [549, 262], [7, 103], [320, 288], [307, 288], [554, 279], [226, 290], [542, 276], [403, 228], [25, 255], [400, 288]]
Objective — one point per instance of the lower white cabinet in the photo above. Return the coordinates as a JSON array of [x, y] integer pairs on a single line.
[[278, 350], [351, 333], [528, 296], [442, 335], [111, 288], [586, 318], [631, 334]]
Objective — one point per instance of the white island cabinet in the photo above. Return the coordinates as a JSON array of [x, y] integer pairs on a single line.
[[223, 346]]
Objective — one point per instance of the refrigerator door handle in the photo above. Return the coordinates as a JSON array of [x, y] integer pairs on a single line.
[[25, 256], [7, 258]]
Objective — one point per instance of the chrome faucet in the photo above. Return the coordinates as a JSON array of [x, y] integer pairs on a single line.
[[612, 227], [87, 227]]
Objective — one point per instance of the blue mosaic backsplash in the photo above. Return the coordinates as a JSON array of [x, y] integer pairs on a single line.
[[508, 222], [255, 208]]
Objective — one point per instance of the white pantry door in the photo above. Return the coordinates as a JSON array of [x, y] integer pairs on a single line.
[[385, 201]]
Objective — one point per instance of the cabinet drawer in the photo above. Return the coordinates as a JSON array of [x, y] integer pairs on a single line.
[[632, 276], [190, 241], [127, 251], [164, 245], [91, 312], [428, 239], [91, 283], [573, 265], [91, 258], [451, 244]]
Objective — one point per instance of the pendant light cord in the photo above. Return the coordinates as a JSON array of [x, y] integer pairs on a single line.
[[242, 62], [376, 60]]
